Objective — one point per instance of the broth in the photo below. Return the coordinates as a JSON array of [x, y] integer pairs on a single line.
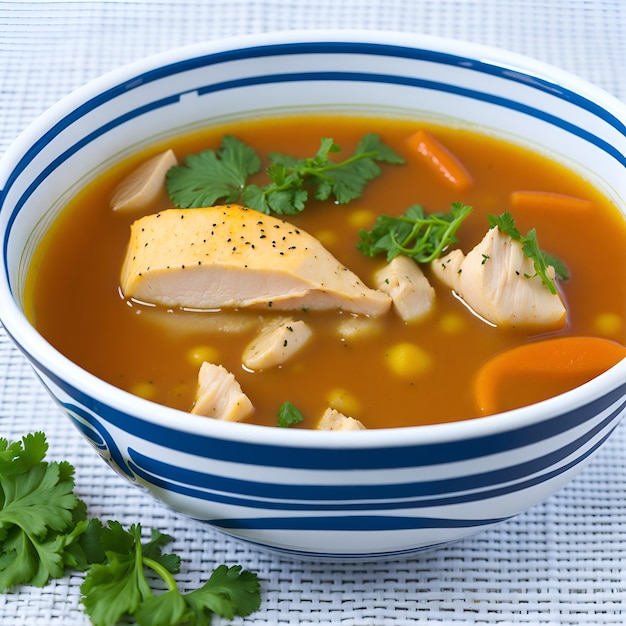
[[74, 298]]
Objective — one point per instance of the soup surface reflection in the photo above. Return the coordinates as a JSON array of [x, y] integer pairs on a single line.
[[396, 375]]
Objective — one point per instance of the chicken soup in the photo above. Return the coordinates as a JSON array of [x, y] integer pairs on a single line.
[[336, 272]]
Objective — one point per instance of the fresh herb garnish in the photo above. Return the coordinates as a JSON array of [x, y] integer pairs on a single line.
[[44, 532], [416, 235], [119, 587], [212, 176], [530, 246], [289, 415], [41, 519]]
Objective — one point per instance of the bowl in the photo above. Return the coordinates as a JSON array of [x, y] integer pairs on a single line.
[[377, 494]]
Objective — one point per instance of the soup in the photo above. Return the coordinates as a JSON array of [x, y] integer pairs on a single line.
[[388, 373]]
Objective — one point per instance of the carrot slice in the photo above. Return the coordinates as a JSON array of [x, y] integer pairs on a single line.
[[538, 371], [440, 159], [543, 202]]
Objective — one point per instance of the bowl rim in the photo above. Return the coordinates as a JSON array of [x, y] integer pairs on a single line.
[[37, 349]]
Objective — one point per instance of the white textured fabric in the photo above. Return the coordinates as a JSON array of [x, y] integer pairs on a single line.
[[562, 562]]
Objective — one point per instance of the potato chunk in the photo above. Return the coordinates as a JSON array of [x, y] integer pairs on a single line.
[[144, 185]]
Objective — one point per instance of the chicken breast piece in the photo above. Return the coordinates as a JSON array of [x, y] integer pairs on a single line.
[[492, 280], [276, 344], [413, 296], [334, 420], [143, 186], [219, 395], [230, 256]]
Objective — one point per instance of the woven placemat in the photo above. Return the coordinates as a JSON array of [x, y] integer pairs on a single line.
[[562, 562]]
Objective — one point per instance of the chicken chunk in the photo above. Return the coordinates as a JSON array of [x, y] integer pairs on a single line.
[[412, 295], [496, 280], [220, 396], [143, 186], [230, 256], [334, 420], [276, 344]]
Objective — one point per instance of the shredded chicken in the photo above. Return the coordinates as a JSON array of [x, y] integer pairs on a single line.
[[413, 296], [497, 281], [276, 344], [220, 396], [334, 420]]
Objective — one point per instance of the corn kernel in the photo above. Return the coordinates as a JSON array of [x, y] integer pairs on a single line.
[[407, 359], [144, 390], [451, 323], [199, 354], [361, 218], [608, 323], [327, 238], [343, 401]]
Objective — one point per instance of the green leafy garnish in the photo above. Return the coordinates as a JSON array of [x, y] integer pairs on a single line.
[[119, 587], [44, 531], [212, 176], [530, 246], [41, 519], [416, 235], [289, 415]]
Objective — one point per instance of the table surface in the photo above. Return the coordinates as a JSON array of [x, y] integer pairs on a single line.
[[561, 562]]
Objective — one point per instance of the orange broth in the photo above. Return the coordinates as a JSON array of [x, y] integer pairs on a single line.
[[75, 302]]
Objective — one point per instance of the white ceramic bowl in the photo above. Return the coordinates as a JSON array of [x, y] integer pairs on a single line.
[[363, 495]]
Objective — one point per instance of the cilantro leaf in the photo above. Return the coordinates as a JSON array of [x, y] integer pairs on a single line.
[[530, 246], [344, 180], [222, 175], [289, 415], [415, 234], [228, 592], [119, 586], [18, 457], [41, 519], [212, 175], [44, 531]]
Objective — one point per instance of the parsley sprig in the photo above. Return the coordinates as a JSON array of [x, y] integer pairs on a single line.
[[44, 531], [415, 234], [530, 246], [289, 415], [221, 175], [119, 587], [41, 519]]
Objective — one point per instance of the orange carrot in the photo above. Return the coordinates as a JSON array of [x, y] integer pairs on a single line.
[[440, 159], [543, 202], [543, 369]]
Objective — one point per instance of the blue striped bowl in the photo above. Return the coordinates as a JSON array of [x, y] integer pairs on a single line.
[[357, 495]]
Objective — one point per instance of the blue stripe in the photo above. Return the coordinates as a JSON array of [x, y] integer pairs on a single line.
[[385, 504], [148, 466], [350, 523], [337, 556]]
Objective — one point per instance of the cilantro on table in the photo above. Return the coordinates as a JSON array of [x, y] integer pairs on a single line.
[[415, 234], [44, 531], [289, 415], [530, 246], [119, 587], [221, 175]]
